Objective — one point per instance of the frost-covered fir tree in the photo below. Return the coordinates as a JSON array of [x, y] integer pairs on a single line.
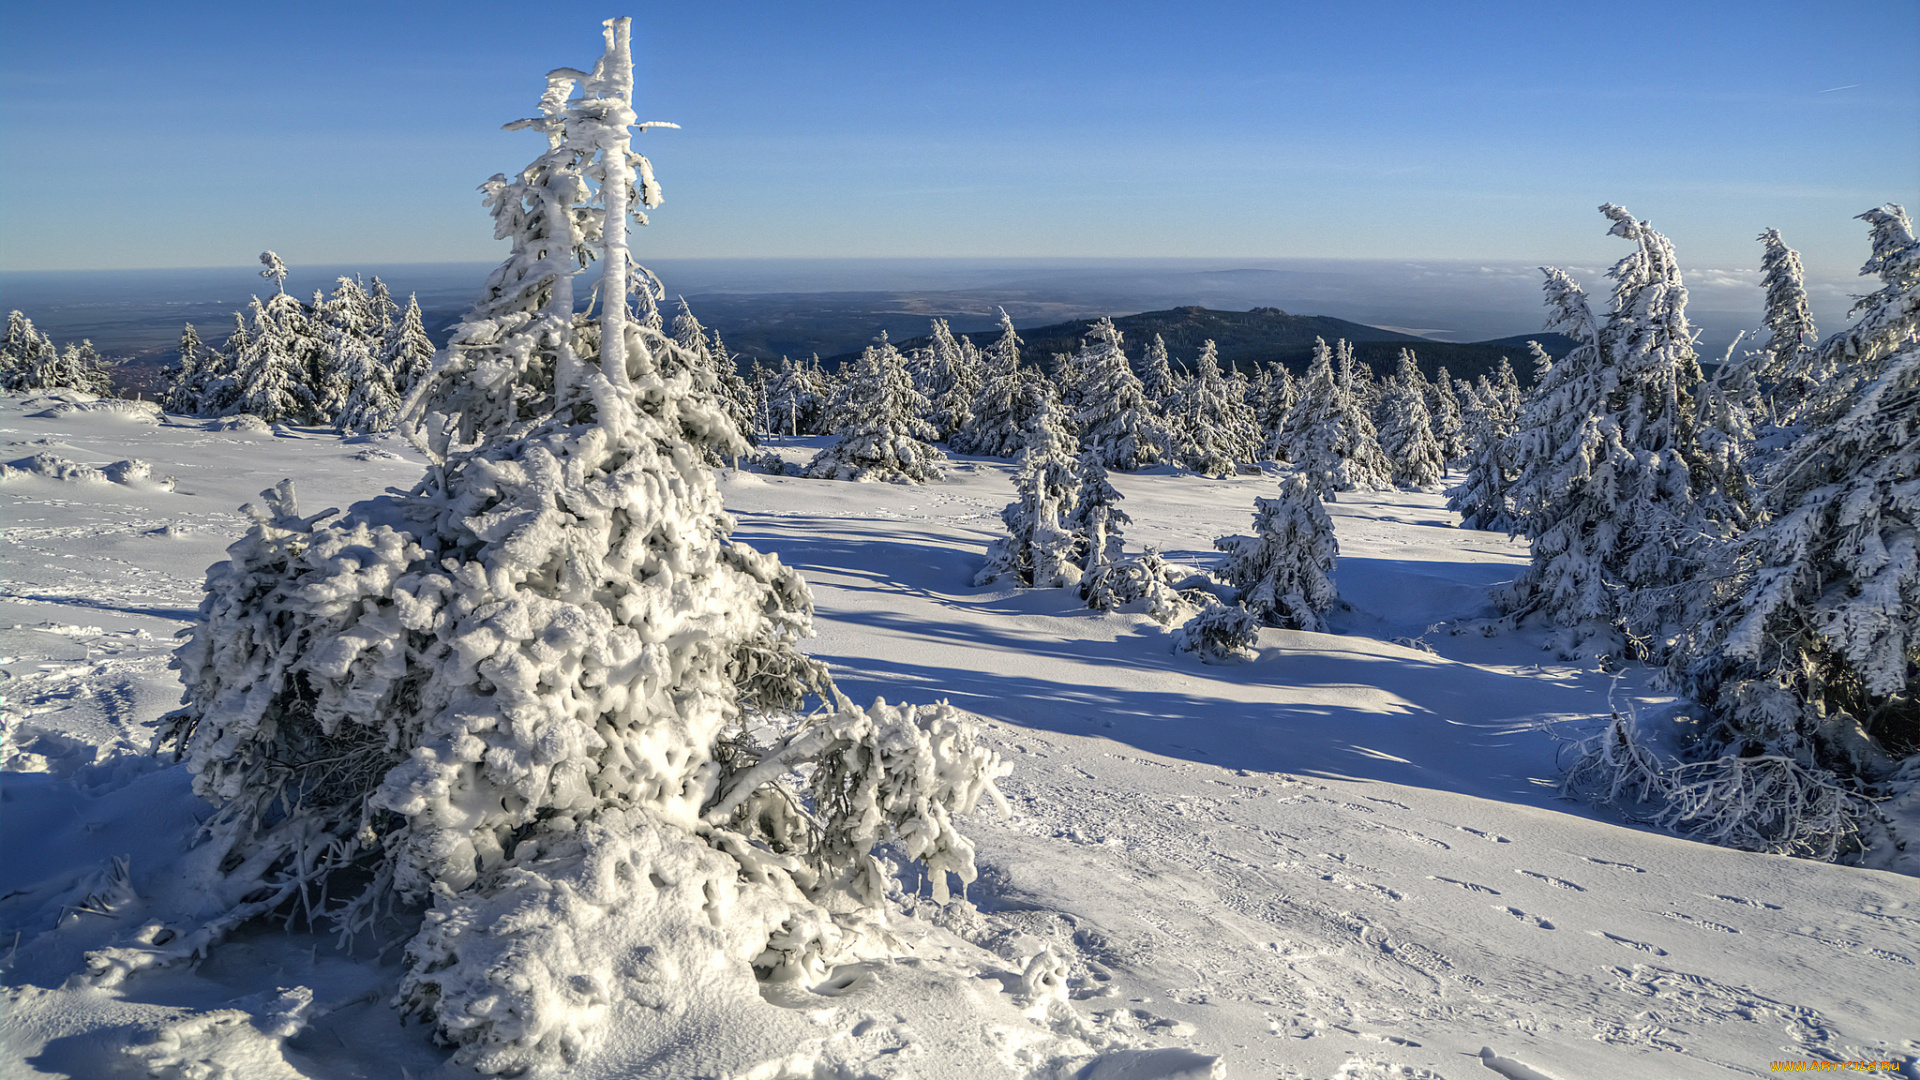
[[793, 399], [186, 381], [372, 401], [1277, 392], [1612, 483], [1482, 498], [1009, 400], [1790, 367], [1328, 433], [1039, 548], [959, 372], [882, 436], [1811, 645], [407, 352], [30, 361], [1449, 426], [1283, 570], [1157, 380], [712, 370], [1113, 418], [268, 362], [1406, 427], [531, 693], [1213, 428], [1096, 518]]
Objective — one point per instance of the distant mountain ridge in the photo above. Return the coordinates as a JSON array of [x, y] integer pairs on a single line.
[[1246, 339]]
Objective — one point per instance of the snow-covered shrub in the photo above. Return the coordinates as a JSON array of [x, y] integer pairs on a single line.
[[1218, 632], [533, 690], [1282, 570], [1765, 802]]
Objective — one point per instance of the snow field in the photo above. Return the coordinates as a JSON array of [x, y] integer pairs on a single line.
[[1340, 858]]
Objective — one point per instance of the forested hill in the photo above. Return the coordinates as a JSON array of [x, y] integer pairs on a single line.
[[1248, 338]]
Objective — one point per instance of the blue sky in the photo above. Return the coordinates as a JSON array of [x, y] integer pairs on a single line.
[[146, 135]]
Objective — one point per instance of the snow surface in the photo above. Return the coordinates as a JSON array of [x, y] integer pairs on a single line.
[[1343, 857]]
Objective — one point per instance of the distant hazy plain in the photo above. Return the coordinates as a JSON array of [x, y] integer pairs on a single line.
[[139, 313]]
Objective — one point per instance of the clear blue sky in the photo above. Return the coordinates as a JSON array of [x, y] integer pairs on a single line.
[[154, 135]]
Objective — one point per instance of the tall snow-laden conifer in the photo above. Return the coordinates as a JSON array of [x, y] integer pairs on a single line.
[[1406, 428], [883, 436], [1328, 433], [269, 363], [1009, 397], [407, 351], [525, 693], [1039, 548], [1213, 427], [1449, 426], [1812, 642], [1483, 497], [1113, 417], [1790, 366], [186, 384], [1613, 485]]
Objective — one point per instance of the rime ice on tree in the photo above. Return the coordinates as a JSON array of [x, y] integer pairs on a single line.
[[526, 691]]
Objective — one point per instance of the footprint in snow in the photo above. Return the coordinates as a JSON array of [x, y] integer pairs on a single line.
[[1629, 942], [1558, 883], [1629, 867], [1467, 885], [1743, 901], [1703, 924], [1490, 837], [1524, 917]]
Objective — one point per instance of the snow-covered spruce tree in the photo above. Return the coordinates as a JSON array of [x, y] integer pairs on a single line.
[[1113, 418], [1612, 483], [1406, 427], [30, 362], [1792, 369], [1214, 428], [1449, 426], [1811, 645], [1009, 400], [1282, 570], [713, 374], [1328, 433], [268, 362], [1039, 548], [1482, 498], [525, 692], [793, 399], [1277, 392], [882, 436], [187, 381], [959, 373], [407, 352], [1106, 581], [1218, 632], [1157, 380]]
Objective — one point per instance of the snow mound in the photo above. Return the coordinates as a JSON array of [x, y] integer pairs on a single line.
[[139, 412], [243, 1042], [240, 422], [130, 472]]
